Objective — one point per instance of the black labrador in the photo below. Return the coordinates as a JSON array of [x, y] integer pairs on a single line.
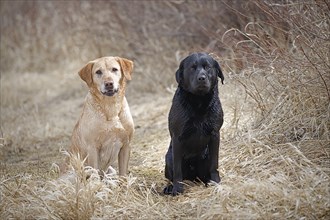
[[194, 121]]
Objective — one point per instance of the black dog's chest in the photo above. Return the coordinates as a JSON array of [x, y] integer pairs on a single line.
[[195, 136], [196, 146], [195, 129]]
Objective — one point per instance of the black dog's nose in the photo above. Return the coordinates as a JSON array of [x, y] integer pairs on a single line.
[[108, 84], [202, 78]]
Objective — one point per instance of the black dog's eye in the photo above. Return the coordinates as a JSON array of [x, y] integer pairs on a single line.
[[206, 67], [114, 69], [99, 72], [194, 67]]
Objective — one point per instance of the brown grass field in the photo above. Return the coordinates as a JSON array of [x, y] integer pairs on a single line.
[[275, 143]]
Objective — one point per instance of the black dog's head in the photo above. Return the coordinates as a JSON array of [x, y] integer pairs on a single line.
[[198, 73]]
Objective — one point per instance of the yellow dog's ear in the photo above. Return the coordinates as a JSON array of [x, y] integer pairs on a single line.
[[86, 73], [126, 67]]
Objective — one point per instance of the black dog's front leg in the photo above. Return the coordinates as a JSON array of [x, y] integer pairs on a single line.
[[173, 171], [177, 167], [214, 157]]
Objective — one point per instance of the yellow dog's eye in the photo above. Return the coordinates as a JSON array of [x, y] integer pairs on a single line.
[[114, 69], [99, 72]]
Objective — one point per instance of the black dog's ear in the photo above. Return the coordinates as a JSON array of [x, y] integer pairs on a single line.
[[179, 73], [218, 69]]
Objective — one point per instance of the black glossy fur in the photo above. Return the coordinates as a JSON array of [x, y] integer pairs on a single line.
[[195, 119]]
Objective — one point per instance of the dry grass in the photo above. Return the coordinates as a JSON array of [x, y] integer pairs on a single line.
[[274, 156], [286, 74], [251, 188]]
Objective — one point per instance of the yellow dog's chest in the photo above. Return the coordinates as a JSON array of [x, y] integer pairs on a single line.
[[99, 129]]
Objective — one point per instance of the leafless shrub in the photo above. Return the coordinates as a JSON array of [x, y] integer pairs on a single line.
[[285, 54]]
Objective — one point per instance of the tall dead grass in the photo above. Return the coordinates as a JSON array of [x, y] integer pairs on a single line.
[[285, 55]]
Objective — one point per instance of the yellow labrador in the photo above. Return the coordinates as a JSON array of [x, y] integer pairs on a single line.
[[105, 128]]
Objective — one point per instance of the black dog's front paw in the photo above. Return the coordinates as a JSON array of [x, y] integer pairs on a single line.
[[173, 190], [168, 189], [215, 177], [177, 189]]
